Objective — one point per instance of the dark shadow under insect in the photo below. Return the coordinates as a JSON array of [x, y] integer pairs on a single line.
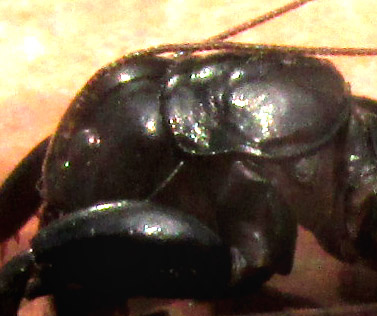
[[186, 176]]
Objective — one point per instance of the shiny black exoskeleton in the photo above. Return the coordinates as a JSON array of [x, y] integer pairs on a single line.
[[187, 176]]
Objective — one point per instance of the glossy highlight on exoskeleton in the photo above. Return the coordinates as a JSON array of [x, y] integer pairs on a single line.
[[190, 173]]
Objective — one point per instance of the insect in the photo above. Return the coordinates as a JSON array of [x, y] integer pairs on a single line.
[[196, 178]]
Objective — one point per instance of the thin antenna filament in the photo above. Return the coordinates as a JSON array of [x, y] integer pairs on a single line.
[[257, 48], [257, 21]]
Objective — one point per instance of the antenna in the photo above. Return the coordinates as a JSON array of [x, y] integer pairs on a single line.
[[256, 48], [218, 42], [257, 21]]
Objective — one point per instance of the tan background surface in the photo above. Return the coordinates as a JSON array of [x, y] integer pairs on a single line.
[[48, 49]]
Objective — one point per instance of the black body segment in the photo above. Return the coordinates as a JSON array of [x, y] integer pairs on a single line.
[[270, 105], [111, 140], [89, 165]]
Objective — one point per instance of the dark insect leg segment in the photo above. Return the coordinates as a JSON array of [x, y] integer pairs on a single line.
[[19, 196], [258, 225], [19, 200], [122, 249], [361, 181], [13, 279], [127, 245]]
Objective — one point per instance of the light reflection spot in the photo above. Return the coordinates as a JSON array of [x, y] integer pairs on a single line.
[[197, 129], [202, 74], [151, 230], [124, 77], [103, 207], [354, 157], [94, 140], [151, 126], [241, 102], [237, 74], [257, 235], [264, 115], [172, 81]]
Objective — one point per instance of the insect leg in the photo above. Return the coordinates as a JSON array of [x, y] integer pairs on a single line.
[[361, 179], [133, 248], [257, 223], [13, 279], [19, 196]]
